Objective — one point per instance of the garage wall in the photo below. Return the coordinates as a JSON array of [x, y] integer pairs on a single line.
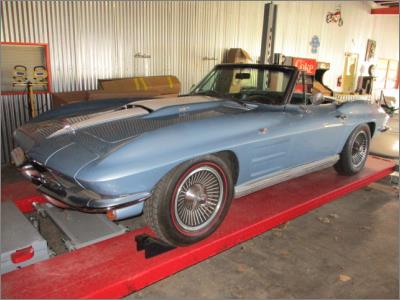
[[386, 34], [103, 39], [89, 40], [298, 21]]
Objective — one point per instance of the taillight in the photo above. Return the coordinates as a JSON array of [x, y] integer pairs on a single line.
[[22, 255]]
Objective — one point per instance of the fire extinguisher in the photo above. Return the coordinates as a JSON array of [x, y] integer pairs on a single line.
[[339, 81]]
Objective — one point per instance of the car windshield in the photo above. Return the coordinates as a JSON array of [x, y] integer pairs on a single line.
[[261, 84]]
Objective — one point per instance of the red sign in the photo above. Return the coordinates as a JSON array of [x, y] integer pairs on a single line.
[[305, 64]]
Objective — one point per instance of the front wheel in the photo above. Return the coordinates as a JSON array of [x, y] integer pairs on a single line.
[[355, 151], [191, 201]]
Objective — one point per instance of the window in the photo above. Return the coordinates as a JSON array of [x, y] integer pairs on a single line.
[[387, 73]]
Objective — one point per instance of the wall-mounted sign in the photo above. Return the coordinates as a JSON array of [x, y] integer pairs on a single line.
[[307, 65], [370, 53], [314, 43]]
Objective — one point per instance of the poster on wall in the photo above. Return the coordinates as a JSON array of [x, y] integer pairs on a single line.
[[370, 53], [349, 72]]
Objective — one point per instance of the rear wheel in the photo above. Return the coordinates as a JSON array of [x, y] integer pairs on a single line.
[[191, 201], [355, 151]]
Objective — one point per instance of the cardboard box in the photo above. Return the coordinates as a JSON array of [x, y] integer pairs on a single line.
[[134, 87], [238, 55], [60, 99], [160, 85]]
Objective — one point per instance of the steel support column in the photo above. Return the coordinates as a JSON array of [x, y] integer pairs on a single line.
[[268, 33]]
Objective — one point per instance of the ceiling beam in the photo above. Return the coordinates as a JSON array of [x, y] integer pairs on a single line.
[[385, 11]]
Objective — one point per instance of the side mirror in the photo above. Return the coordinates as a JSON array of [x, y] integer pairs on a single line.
[[317, 99]]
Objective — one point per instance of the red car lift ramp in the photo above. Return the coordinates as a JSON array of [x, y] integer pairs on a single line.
[[114, 268]]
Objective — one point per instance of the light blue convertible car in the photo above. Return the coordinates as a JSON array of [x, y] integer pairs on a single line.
[[182, 160]]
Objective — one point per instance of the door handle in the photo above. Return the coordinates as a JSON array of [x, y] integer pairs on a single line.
[[342, 117]]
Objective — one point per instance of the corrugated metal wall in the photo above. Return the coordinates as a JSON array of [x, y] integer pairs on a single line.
[[14, 113], [89, 40]]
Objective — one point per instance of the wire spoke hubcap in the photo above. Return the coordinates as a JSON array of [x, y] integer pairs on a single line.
[[359, 150], [195, 196], [198, 199]]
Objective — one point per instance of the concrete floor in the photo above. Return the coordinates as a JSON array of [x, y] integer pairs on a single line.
[[346, 249]]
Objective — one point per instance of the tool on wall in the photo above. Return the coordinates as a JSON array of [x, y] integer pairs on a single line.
[[143, 63], [39, 76], [20, 73]]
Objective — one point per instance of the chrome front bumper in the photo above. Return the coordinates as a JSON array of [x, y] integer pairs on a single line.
[[384, 129], [74, 196]]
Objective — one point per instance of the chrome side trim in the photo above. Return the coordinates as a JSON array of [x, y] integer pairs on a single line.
[[280, 176]]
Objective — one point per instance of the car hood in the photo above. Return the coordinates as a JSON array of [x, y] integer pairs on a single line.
[[90, 136]]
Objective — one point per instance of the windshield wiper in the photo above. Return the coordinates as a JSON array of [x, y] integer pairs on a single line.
[[240, 102], [210, 93], [223, 96]]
